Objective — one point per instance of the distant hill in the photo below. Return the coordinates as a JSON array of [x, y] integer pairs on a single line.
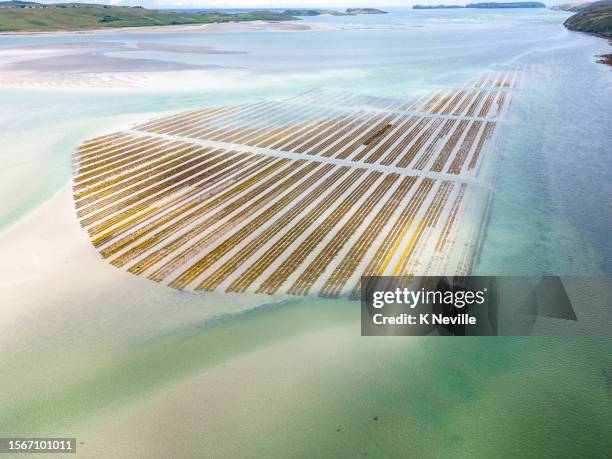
[[364, 11], [313, 12], [483, 5], [348, 12], [506, 5], [435, 7], [16, 16], [595, 19], [572, 7], [18, 4]]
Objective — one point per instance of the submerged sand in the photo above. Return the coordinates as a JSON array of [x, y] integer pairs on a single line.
[[89, 65], [130, 369], [100, 64], [95, 63], [92, 58]]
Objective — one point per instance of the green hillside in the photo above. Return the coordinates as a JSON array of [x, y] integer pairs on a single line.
[[18, 16], [595, 19]]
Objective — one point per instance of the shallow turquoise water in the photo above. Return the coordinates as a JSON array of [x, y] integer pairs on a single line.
[[473, 397]]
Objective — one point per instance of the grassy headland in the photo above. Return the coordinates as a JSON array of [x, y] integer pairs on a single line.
[[595, 19], [16, 16]]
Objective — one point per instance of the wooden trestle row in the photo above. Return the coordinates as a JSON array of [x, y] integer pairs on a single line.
[[299, 196]]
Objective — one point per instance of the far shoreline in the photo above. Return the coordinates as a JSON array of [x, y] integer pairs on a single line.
[[232, 26]]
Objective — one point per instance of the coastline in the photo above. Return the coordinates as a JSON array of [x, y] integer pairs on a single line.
[[240, 26], [605, 59], [593, 20]]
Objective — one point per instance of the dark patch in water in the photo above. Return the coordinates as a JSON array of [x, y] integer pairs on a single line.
[[604, 59]]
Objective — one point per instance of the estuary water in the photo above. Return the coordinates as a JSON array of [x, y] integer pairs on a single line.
[[552, 208], [132, 368]]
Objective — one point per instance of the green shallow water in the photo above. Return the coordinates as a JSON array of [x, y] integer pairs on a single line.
[[380, 397]]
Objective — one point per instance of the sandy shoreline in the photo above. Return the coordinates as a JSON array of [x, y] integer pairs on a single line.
[[98, 64], [211, 27]]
